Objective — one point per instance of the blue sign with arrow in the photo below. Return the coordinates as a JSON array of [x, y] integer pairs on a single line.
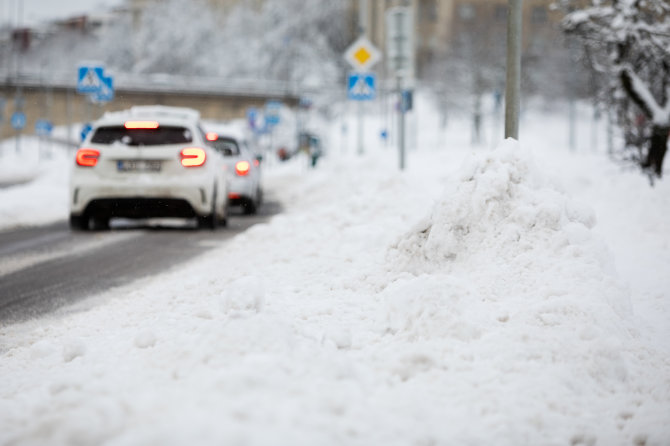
[[106, 91], [85, 130], [361, 86]]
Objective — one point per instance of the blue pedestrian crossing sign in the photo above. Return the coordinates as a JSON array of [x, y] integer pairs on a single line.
[[18, 120], [89, 78], [361, 86]]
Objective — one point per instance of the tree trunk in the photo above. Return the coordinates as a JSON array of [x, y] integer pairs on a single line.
[[658, 145]]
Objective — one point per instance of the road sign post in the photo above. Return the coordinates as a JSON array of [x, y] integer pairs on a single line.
[[18, 122], [43, 128], [400, 44], [513, 87], [361, 55]]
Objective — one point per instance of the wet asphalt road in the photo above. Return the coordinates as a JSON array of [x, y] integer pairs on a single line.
[[45, 269]]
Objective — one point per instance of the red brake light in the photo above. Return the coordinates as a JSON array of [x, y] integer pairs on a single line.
[[87, 157], [242, 168], [141, 124], [193, 157], [211, 136]]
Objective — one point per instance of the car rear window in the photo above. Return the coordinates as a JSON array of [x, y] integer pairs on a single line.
[[142, 137], [226, 146]]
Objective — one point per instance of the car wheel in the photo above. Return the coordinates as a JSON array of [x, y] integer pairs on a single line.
[[210, 221], [259, 197], [101, 223], [249, 207], [78, 222]]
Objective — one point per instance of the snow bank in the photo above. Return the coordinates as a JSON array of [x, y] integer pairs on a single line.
[[497, 320], [509, 294], [35, 183]]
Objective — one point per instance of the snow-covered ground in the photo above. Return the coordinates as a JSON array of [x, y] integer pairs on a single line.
[[516, 296]]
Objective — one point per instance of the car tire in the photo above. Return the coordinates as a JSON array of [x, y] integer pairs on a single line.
[[101, 223], [210, 221], [78, 222], [250, 207], [259, 197]]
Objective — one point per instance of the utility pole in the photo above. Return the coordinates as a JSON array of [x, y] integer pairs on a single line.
[[513, 85]]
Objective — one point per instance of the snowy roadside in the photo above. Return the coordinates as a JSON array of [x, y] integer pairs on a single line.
[[459, 304], [36, 182]]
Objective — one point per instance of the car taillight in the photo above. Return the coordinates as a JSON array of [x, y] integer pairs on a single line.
[[193, 157], [242, 168], [211, 136], [141, 124], [87, 157]]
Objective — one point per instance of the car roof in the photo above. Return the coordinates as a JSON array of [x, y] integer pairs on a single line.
[[162, 114], [226, 130]]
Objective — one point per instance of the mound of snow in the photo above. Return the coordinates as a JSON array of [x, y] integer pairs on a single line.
[[501, 219], [504, 290]]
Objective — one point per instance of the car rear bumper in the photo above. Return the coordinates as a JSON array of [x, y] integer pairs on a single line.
[[178, 199], [242, 188]]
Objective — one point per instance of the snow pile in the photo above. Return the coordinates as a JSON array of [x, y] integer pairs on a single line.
[[514, 300], [498, 218]]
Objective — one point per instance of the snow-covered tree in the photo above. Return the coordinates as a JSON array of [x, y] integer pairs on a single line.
[[627, 43], [299, 41]]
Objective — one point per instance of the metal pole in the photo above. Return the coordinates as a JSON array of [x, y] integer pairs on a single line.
[[572, 123], [401, 125], [18, 101], [513, 87], [362, 22]]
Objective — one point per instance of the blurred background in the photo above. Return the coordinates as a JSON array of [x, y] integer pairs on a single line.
[[224, 56]]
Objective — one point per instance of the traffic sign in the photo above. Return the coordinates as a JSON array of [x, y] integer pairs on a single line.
[[252, 116], [362, 54], [106, 91], [85, 130], [89, 78], [406, 100], [18, 120], [361, 86], [272, 109], [43, 127]]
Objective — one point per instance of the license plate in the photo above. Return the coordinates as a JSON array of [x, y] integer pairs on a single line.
[[138, 166]]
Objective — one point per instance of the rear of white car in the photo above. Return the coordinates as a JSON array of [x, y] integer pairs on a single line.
[[148, 162], [244, 167]]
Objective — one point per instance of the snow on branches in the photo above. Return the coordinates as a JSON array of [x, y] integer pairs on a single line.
[[628, 44]]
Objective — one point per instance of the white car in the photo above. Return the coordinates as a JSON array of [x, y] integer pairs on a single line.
[[148, 162], [243, 165]]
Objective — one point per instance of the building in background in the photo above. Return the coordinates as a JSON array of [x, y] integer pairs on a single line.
[[441, 24]]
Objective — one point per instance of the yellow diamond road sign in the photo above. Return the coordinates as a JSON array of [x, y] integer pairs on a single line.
[[362, 54]]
